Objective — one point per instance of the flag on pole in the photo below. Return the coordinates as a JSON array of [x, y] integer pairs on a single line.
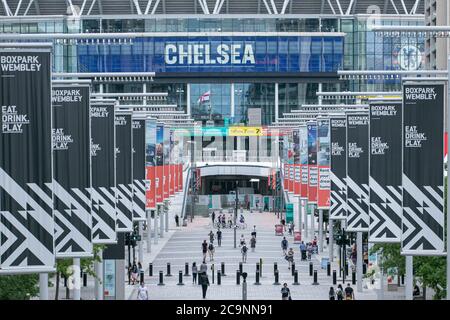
[[204, 97]]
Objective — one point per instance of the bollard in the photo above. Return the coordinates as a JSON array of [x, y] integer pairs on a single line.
[[84, 279], [364, 268], [403, 279], [161, 279], [150, 269], [257, 279], [328, 269], [315, 278], [180, 278], [276, 278], [346, 269], [296, 283], [310, 268], [353, 277], [257, 266], [65, 281], [222, 266], [334, 277], [275, 267], [219, 278], [260, 267], [238, 277], [168, 270], [241, 267], [293, 268], [141, 277], [186, 269]]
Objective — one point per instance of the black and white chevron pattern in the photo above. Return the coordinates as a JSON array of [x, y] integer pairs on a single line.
[[423, 219], [338, 205], [73, 221], [103, 215], [385, 213], [26, 233], [357, 206], [124, 208], [139, 200]]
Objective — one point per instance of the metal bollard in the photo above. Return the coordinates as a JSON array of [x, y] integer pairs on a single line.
[[150, 269], [276, 278], [257, 266], [346, 269], [222, 266], [293, 268], [238, 277], [315, 278], [257, 279], [328, 269], [141, 277], [296, 283], [161, 279], [65, 281], [84, 279], [168, 270], [260, 267], [241, 267], [275, 267], [311, 268], [180, 278], [334, 277], [353, 277], [364, 268], [219, 278], [186, 269]]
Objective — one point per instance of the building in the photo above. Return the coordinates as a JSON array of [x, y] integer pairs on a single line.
[[437, 13]]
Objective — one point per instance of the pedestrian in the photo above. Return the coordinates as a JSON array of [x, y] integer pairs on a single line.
[[219, 237], [177, 220], [283, 222], [203, 268], [291, 228], [285, 292], [253, 243], [303, 251], [290, 257], [194, 273], [416, 291], [253, 234], [331, 294], [141, 272], [130, 267], [242, 240], [211, 236], [349, 293], [244, 253], [204, 250], [211, 251], [224, 221], [340, 292], [284, 245], [142, 292], [213, 217], [204, 282], [134, 272]]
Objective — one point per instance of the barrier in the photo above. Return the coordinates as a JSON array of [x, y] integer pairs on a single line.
[[168, 270], [222, 266], [328, 268], [296, 283], [186, 269], [238, 277], [276, 278], [334, 277], [311, 268], [257, 279], [315, 278], [219, 278], [293, 268], [150, 269], [180, 278], [161, 279]]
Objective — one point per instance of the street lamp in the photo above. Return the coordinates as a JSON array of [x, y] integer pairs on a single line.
[[192, 177]]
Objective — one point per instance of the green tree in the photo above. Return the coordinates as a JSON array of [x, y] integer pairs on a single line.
[[19, 287], [390, 258]]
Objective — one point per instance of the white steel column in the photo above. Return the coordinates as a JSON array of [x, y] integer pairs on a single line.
[[300, 216], [330, 239], [43, 286], [161, 220], [141, 243], [166, 214], [305, 213], [359, 261], [155, 229], [313, 218], [320, 242], [149, 231], [77, 279], [409, 278], [98, 280]]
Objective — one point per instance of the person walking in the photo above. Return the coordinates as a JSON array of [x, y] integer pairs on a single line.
[[349, 293], [213, 217], [141, 272], [285, 292], [283, 222], [203, 268], [211, 236], [194, 273], [303, 251], [204, 250], [204, 282], [284, 245], [177, 220], [244, 253], [211, 251], [253, 243], [134, 273], [142, 292], [331, 294], [340, 292], [253, 234], [219, 237], [242, 240], [290, 257]]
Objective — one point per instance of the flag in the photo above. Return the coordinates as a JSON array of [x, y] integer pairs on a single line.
[[204, 97]]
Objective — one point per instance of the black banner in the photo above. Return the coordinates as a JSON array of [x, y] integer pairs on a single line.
[[124, 172], [71, 171], [139, 170], [26, 215], [385, 180], [423, 169], [103, 163], [357, 172], [338, 171]]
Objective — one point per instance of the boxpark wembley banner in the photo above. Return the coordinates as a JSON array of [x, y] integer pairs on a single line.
[[312, 162], [103, 164], [423, 169], [71, 145], [138, 126], [385, 179], [338, 172], [124, 171], [150, 164], [26, 215], [303, 140], [323, 162], [357, 172]]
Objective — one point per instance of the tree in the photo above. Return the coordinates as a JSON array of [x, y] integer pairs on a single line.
[[390, 258], [19, 287]]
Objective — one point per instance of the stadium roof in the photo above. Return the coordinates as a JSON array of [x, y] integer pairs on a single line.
[[206, 7]]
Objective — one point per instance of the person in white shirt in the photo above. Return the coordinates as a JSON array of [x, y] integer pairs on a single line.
[[142, 292]]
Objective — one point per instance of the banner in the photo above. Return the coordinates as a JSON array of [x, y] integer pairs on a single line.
[[150, 164], [423, 169], [286, 176], [103, 190], [385, 179], [357, 172], [166, 170], [180, 177], [296, 149], [26, 215], [124, 172], [171, 167], [323, 161], [312, 162], [245, 131], [71, 144], [159, 163], [338, 171], [303, 139], [138, 126]]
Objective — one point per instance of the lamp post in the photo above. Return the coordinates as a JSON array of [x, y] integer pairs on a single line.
[[235, 212], [192, 176]]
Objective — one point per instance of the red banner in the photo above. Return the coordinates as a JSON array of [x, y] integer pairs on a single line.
[[304, 181], [291, 178], [286, 176], [180, 175], [297, 180], [171, 180], [159, 184], [150, 191], [323, 195], [166, 182], [312, 183], [177, 176]]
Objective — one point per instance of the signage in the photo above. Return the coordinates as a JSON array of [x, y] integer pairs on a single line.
[[138, 170], [245, 131], [303, 140], [323, 161], [150, 164], [312, 163], [338, 169]]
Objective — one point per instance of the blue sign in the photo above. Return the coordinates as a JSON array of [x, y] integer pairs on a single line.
[[216, 54]]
